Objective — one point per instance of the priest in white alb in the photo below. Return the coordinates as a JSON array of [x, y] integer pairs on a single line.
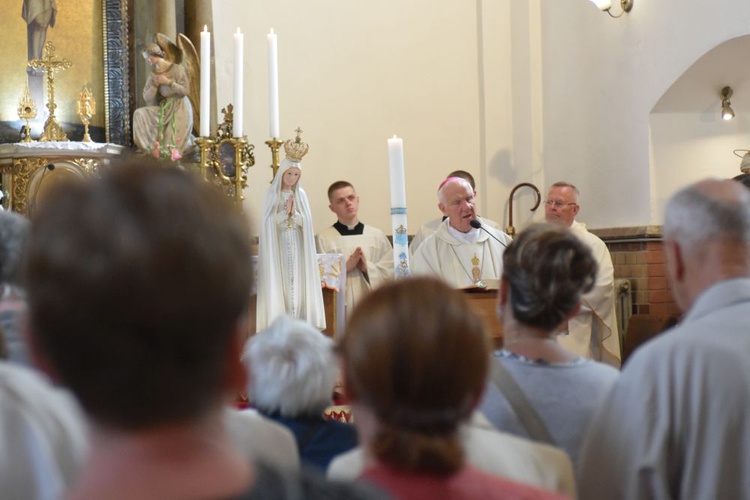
[[462, 254], [593, 332]]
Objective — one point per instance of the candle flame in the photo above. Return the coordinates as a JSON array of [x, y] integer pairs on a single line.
[[271, 32], [205, 27], [238, 30]]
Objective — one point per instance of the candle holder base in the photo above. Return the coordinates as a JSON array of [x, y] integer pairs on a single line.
[[275, 145]]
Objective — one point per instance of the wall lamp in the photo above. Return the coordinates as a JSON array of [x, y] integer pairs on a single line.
[[727, 112], [606, 5]]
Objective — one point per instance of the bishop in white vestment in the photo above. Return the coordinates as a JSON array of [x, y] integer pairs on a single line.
[[460, 254]]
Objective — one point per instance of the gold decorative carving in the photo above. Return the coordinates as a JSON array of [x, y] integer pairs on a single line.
[[26, 111], [23, 170], [86, 107], [225, 160]]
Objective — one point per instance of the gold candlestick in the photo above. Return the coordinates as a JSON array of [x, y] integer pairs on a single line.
[[274, 144], [206, 146], [27, 111], [86, 107]]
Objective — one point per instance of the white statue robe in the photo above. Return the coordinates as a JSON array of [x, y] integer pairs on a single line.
[[378, 253], [461, 259], [593, 332], [288, 273]]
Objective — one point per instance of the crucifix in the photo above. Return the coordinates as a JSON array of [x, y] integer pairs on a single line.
[[50, 64]]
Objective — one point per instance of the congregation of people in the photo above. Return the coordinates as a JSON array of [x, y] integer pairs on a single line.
[[126, 302]]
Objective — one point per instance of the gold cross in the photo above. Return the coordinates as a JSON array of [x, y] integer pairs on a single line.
[[50, 64]]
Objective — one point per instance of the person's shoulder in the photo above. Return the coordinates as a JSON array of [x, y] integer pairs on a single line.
[[347, 465], [495, 487], [580, 230], [374, 230], [255, 435], [327, 232], [271, 482]]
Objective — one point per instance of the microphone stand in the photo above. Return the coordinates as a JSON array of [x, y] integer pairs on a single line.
[[478, 225]]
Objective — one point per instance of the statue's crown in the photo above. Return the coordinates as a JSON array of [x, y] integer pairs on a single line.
[[296, 149]]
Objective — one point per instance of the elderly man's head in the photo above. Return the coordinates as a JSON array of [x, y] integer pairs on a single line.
[[456, 201], [292, 369], [561, 206], [706, 237]]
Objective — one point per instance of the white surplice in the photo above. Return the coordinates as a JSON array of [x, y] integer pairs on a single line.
[[461, 259], [593, 332], [378, 253]]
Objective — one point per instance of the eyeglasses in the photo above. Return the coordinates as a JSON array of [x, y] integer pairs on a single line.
[[557, 203]]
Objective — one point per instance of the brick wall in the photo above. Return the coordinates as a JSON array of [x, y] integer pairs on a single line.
[[638, 256]]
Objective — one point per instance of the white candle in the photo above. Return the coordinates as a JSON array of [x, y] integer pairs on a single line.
[[396, 163], [273, 84], [205, 82], [239, 40]]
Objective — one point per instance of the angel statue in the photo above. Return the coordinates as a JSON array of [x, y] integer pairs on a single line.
[[164, 127]]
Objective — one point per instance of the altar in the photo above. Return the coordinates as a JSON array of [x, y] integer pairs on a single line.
[[29, 169]]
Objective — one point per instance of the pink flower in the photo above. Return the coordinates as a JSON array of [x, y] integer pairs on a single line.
[[155, 152], [175, 154]]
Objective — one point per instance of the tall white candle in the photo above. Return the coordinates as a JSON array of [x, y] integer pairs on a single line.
[[398, 208], [239, 40], [396, 163], [273, 84], [205, 82]]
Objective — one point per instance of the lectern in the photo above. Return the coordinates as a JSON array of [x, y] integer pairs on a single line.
[[483, 302]]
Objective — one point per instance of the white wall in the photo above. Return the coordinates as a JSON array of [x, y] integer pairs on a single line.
[[602, 77], [513, 91], [351, 76], [688, 148]]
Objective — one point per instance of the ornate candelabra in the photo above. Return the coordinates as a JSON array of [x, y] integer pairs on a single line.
[[50, 64], [226, 159], [26, 111], [86, 107], [275, 145]]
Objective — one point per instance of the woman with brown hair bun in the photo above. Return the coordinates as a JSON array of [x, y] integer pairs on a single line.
[[546, 270], [415, 362]]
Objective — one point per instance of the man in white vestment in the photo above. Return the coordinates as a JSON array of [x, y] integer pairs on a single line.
[[44, 436], [463, 256], [429, 227], [368, 252], [593, 332], [675, 424]]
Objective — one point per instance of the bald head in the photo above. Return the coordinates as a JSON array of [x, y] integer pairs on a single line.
[[708, 211], [706, 237], [456, 201]]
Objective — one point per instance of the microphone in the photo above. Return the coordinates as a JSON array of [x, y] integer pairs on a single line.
[[47, 168], [478, 225]]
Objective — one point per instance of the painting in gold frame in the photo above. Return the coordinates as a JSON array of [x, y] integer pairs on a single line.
[[93, 35]]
